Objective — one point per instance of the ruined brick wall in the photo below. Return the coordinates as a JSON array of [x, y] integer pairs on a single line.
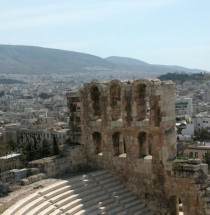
[[73, 160], [129, 128]]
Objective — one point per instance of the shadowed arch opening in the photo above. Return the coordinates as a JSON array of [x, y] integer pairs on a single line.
[[141, 102], [96, 101], [119, 146], [173, 205], [143, 145], [115, 101], [97, 141], [180, 207]]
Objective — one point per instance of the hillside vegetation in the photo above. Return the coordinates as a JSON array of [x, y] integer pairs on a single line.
[[31, 60], [10, 81], [182, 77]]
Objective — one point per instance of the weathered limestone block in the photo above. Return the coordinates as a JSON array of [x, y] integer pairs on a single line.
[[142, 114]]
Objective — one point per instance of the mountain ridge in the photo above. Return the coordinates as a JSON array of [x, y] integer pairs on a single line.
[[30, 60]]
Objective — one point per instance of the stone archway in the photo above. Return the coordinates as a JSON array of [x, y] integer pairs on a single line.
[[115, 101], [141, 102], [97, 141], [118, 144], [96, 101], [143, 144]]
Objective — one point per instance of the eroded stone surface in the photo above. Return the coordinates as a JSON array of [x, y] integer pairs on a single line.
[[129, 128]]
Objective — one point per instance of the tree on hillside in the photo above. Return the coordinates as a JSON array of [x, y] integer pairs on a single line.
[[2, 93], [207, 158], [4, 149], [45, 96], [13, 146], [55, 145], [46, 149], [27, 150], [202, 134]]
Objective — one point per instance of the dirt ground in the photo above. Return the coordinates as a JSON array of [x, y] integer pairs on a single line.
[[23, 191]]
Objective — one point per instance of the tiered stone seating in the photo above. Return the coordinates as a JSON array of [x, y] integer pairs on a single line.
[[91, 194]]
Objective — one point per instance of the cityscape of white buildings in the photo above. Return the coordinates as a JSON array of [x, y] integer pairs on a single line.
[[37, 108]]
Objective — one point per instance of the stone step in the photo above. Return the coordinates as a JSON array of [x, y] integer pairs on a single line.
[[56, 212], [116, 188], [57, 192], [40, 208], [65, 201], [99, 172], [120, 192], [143, 211], [115, 210], [61, 196], [53, 187], [63, 183], [78, 194], [130, 202], [27, 208], [84, 201], [49, 210], [112, 186], [122, 213], [15, 208], [106, 181], [137, 208], [71, 205], [74, 210], [81, 212], [101, 206], [103, 176], [123, 195], [109, 207], [97, 193], [86, 204], [66, 188], [70, 192], [89, 211]]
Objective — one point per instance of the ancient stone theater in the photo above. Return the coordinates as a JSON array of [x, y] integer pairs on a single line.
[[123, 138], [128, 127]]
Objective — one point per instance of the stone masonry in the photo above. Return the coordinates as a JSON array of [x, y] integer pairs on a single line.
[[129, 128]]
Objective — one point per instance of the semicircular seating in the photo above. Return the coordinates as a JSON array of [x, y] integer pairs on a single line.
[[91, 194]]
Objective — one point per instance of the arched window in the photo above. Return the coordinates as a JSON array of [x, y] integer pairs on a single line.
[[173, 205], [97, 141], [191, 154], [115, 101], [118, 144], [155, 110], [141, 102], [180, 207], [143, 145], [96, 101]]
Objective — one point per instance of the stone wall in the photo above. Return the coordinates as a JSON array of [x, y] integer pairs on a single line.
[[52, 166], [129, 128]]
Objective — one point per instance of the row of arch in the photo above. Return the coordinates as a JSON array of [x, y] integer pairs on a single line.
[[140, 97], [119, 144]]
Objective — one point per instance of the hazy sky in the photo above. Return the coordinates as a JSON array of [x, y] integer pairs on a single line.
[[175, 32]]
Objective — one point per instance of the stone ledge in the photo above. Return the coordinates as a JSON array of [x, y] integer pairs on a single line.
[[96, 122], [192, 168], [143, 123], [117, 123]]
